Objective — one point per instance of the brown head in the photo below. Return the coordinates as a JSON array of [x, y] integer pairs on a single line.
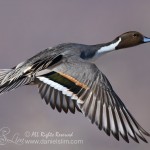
[[125, 40], [130, 39]]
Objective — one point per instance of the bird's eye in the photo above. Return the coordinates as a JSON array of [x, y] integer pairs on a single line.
[[135, 35]]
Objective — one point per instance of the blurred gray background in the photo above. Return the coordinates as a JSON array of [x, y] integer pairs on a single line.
[[29, 26]]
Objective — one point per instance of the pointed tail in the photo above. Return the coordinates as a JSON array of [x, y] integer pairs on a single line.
[[9, 80], [3, 73]]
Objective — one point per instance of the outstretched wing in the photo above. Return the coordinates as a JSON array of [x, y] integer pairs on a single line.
[[76, 84]]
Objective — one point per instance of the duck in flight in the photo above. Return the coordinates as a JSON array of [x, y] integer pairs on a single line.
[[68, 79]]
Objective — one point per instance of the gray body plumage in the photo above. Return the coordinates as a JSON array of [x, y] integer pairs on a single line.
[[44, 58]]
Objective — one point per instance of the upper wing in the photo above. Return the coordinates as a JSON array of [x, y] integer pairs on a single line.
[[79, 84], [24, 72]]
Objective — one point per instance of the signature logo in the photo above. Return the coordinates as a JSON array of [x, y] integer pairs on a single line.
[[4, 139], [36, 137]]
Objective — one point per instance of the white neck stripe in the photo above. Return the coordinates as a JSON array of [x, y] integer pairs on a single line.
[[108, 48]]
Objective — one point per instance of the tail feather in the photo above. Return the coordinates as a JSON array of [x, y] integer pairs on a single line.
[[3, 73], [8, 84]]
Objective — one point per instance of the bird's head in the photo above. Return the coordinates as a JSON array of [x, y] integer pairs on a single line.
[[131, 38]]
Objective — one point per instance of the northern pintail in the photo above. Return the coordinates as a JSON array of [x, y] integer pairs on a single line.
[[68, 79]]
